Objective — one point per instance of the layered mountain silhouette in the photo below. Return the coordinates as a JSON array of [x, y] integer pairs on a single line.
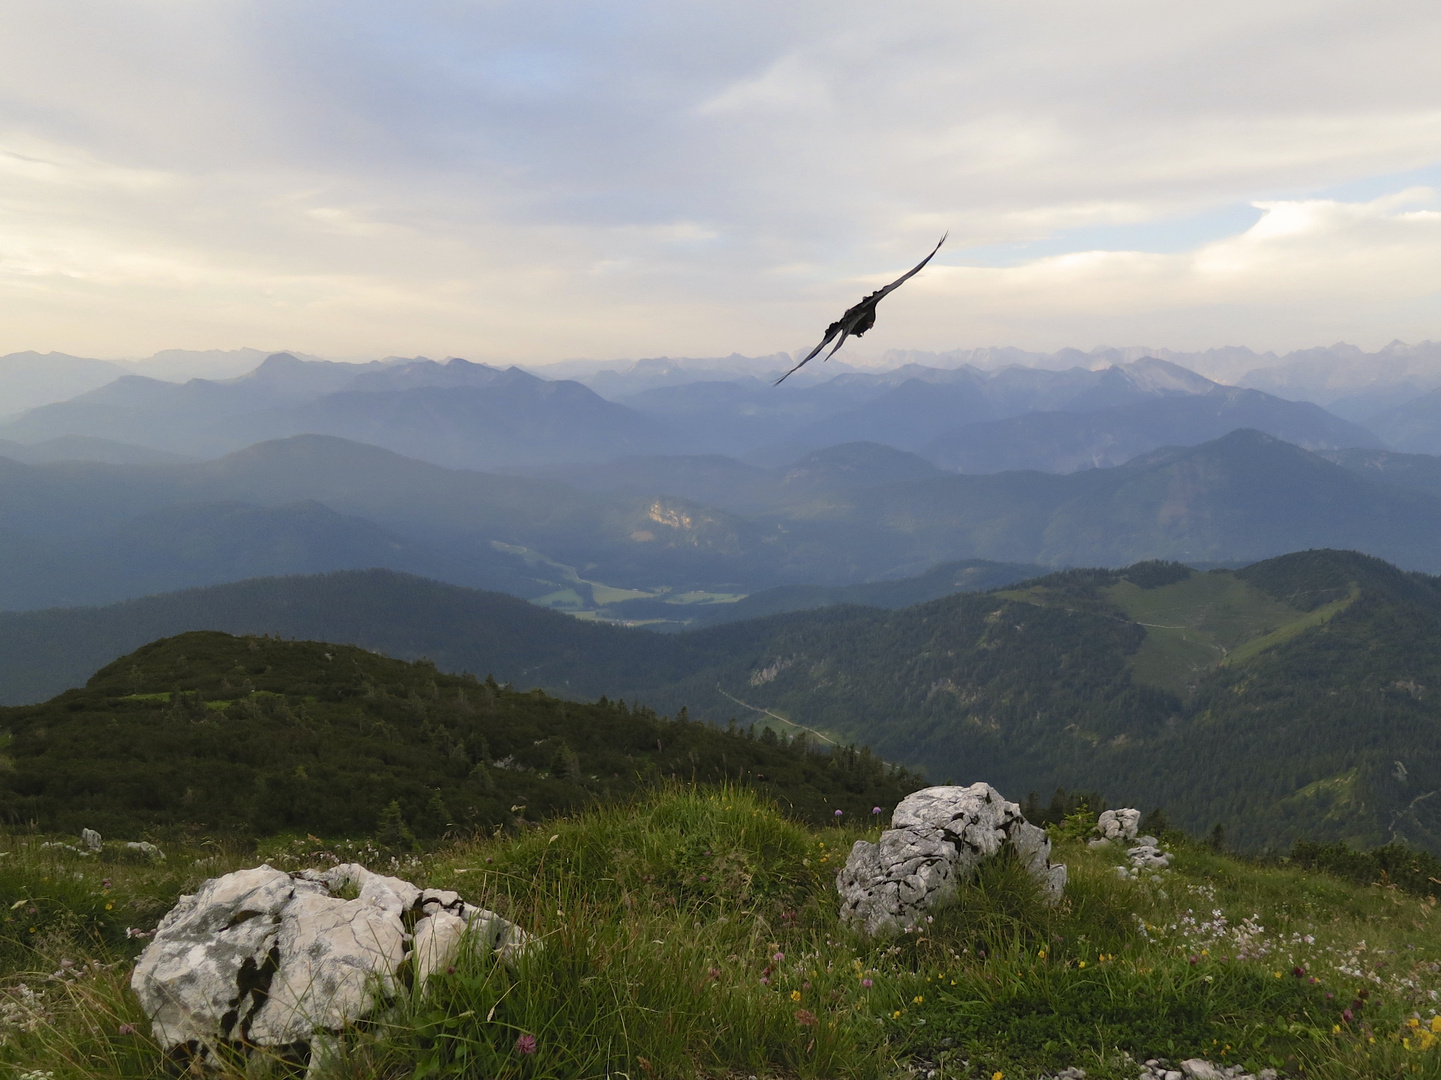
[[724, 482], [840, 517], [1242, 497], [1068, 441], [458, 413], [30, 379], [1413, 426], [476, 416], [969, 420]]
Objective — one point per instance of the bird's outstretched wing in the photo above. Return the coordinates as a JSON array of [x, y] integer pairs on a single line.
[[849, 323]]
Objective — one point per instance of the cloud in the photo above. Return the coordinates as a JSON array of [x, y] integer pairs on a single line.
[[1313, 263], [508, 180]]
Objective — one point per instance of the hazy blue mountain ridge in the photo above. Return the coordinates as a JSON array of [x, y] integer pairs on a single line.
[[742, 488], [846, 518], [1411, 427], [1067, 441], [30, 379], [86, 448], [1419, 471], [460, 414]]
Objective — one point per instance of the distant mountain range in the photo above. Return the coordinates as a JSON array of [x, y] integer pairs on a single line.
[[457, 414], [31, 379], [1341, 377], [1235, 499], [86, 448], [1070, 441], [466, 415], [969, 420], [642, 542], [28, 379], [1292, 698]]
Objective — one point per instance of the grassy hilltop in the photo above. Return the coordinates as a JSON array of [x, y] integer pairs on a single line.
[[682, 878], [248, 736], [693, 933]]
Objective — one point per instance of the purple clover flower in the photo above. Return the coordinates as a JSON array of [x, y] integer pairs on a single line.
[[525, 1045]]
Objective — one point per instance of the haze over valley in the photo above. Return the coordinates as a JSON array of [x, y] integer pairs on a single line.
[[679, 496]]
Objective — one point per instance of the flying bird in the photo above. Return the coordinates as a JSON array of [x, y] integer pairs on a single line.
[[857, 320]]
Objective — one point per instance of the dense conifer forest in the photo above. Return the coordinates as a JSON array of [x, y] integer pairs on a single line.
[[253, 736]]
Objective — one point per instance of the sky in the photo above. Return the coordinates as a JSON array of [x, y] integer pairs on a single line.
[[536, 181]]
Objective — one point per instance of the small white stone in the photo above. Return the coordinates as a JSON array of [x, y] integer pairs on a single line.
[[1200, 1069]]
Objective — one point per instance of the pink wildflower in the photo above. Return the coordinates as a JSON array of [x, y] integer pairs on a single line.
[[525, 1044]]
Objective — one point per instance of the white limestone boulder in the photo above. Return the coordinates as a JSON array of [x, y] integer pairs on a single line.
[[1149, 857], [1119, 826], [264, 959], [939, 836]]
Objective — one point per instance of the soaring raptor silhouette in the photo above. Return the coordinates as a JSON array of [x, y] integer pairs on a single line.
[[857, 320]]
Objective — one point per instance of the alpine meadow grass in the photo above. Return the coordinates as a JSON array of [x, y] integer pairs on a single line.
[[694, 933]]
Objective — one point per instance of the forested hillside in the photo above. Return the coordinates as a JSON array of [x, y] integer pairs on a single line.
[[1297, 697], [1294, 698], [255, 735]]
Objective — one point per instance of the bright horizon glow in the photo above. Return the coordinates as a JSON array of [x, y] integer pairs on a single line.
[[519, 183]]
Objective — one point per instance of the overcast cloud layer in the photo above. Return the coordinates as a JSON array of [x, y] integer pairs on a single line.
[[535, 181]]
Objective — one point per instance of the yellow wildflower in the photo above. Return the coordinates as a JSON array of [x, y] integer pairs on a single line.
[[1436, 1024], [917, 999], [795, 995], [896, 1015], [1082, 964]]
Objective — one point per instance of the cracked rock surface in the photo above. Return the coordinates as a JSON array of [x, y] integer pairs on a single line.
[[938, 837], [262, 958], [1120, 825]]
